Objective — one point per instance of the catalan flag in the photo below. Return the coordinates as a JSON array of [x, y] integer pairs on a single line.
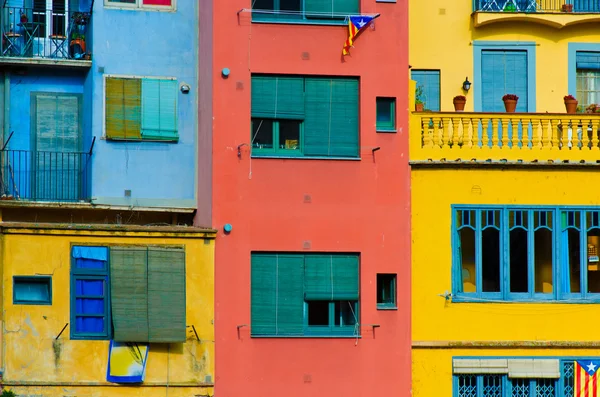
[[355, 25], [586, 381]]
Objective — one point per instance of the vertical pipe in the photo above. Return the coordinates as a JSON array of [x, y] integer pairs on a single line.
[[6, 105]]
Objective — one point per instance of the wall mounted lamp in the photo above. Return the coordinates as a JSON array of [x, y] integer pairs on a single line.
[[466, 84]]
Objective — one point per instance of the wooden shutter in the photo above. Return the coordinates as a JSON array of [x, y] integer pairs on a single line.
[[123, 108], [331, 277], [166, 295], [263, 296], [129, 293], [278, 97], [159, 109], [331, 123]]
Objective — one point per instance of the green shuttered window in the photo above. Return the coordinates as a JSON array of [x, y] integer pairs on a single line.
[[284, 285], [304, 11], [141, 109], [304, 117]]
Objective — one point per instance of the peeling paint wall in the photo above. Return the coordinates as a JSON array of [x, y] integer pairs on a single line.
[[32, 355]]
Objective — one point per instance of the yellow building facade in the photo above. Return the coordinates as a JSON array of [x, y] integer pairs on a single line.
[[505, 208], [49, 347]]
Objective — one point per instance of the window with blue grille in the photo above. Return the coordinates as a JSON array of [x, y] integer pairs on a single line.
[[526, 254], [32, 290]]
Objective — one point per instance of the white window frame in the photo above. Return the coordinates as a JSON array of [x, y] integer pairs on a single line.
[[140, 6]]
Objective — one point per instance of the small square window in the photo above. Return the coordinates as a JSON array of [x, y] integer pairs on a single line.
[[386, 115], [386, 291], [32, 290]]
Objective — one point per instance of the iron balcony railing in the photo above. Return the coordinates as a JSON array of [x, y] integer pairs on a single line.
[[589, 6], [45, 176], [56, 33]]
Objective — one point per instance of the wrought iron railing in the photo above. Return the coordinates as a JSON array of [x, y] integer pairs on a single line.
[[57, 33], [584, 6], [45, 176]]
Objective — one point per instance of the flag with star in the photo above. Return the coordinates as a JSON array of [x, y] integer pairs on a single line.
[[355, 25], [586, 381]]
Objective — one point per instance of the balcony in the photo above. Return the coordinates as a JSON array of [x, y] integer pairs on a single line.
[[554, 13], [45, 176], [505, 138], [45, 36]]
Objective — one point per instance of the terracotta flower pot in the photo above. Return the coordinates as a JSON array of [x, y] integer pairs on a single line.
[[459, 104], [571, 105], [418, 107], [567, 7], [510, 105]]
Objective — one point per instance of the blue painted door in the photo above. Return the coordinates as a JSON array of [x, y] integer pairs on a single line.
[[586, 6], [503, 72]]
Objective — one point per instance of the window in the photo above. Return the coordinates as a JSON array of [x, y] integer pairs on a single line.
[[153, 4], [304, 117], [386, 114], [303, 11], [588, 77], [386, 291], [512, 253], [112, 290], [141, 109], [428, 88], [32, 290], [304, 294]]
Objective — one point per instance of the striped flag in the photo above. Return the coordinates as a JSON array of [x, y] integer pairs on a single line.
[[586, 381], [355, 25]]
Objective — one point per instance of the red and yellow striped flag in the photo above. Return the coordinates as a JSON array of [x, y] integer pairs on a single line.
[[355, 25], [586, 381]]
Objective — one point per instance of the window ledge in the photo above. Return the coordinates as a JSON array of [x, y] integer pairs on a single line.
[[386, 307], [305, 336], [483, 300], [389, 130], [271, 156], [298, 22], [141, 140]]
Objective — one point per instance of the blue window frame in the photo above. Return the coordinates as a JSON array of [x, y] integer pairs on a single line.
[[331, 12], [32, 290], [428, 88], [526, 254], [90, 293]]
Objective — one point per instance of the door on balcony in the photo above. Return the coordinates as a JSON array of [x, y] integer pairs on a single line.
[[49, 27], [503, 72], [56, 161]]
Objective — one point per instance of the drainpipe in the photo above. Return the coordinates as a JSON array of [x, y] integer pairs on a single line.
[[6, 105]]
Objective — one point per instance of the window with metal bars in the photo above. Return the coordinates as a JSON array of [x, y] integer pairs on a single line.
[[498, 385], [526, 254]]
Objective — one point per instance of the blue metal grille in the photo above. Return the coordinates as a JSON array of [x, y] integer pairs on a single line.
[[568, 378], [545, 388], [520, 387], [467, 386], [492, 386]]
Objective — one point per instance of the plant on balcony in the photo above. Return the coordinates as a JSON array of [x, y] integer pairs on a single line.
[[510, 102], [567, 8], [24, 18], [8, 393], [77, 45], [509, 7], [592, 108], [419, 104], [459, 103], [570, 104], [80, 18]]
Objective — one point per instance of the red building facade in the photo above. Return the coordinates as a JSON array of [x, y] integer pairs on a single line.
[[309, 179]]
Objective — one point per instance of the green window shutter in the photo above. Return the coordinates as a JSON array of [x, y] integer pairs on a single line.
[[278, 97], [290, 297], [166, 295], [129, 294], [159, 109], [331, 277], [263, 285], [316, 123], [344, 118], [317, 7], [123, 108]]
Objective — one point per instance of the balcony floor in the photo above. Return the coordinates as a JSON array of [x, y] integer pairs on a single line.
[[56, 62]]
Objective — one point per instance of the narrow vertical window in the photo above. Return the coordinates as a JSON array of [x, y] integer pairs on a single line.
[[386, 291], [571, 250], [465, 225], [543, 248], [593, 242], [467, 386], [518, 222], [490, 250]]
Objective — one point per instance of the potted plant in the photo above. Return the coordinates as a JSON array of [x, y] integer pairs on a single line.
[[571, 104], [77, 45], [567, 8], [459, 103], [24, 18], [591, 108], [510, 102], [419, 104]]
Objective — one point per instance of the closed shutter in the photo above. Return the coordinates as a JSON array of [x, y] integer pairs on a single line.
[[331, 123], [159, 109], [331, 277], [503, 72], [315, 8], [586, 6], [429, 82], [166, 295], [263, 285], [123, 108], [129, 294], [278, 97], [588, 60]]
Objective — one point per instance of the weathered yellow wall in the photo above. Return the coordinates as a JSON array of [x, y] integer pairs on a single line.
[[441, 36], [31, 355]]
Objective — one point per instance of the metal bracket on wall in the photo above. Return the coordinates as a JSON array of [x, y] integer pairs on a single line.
[[61, 331], [238, 329], [373, 326], [195, 333]]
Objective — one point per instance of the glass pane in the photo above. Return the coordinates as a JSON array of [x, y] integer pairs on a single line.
[[384, 110], [290, 5], [89, 287], [467, 386], [574, 281], [89, 306], [345, 314], [467, 259], [545, 388], [593, 271], [82, 263], [543, 261], [262, 133], [263, 4], [385, 288], [31, 291], [490, 260], [318, 313], [492, 386], [289, 134], [89, 324], [519, 279], [520, 387]]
